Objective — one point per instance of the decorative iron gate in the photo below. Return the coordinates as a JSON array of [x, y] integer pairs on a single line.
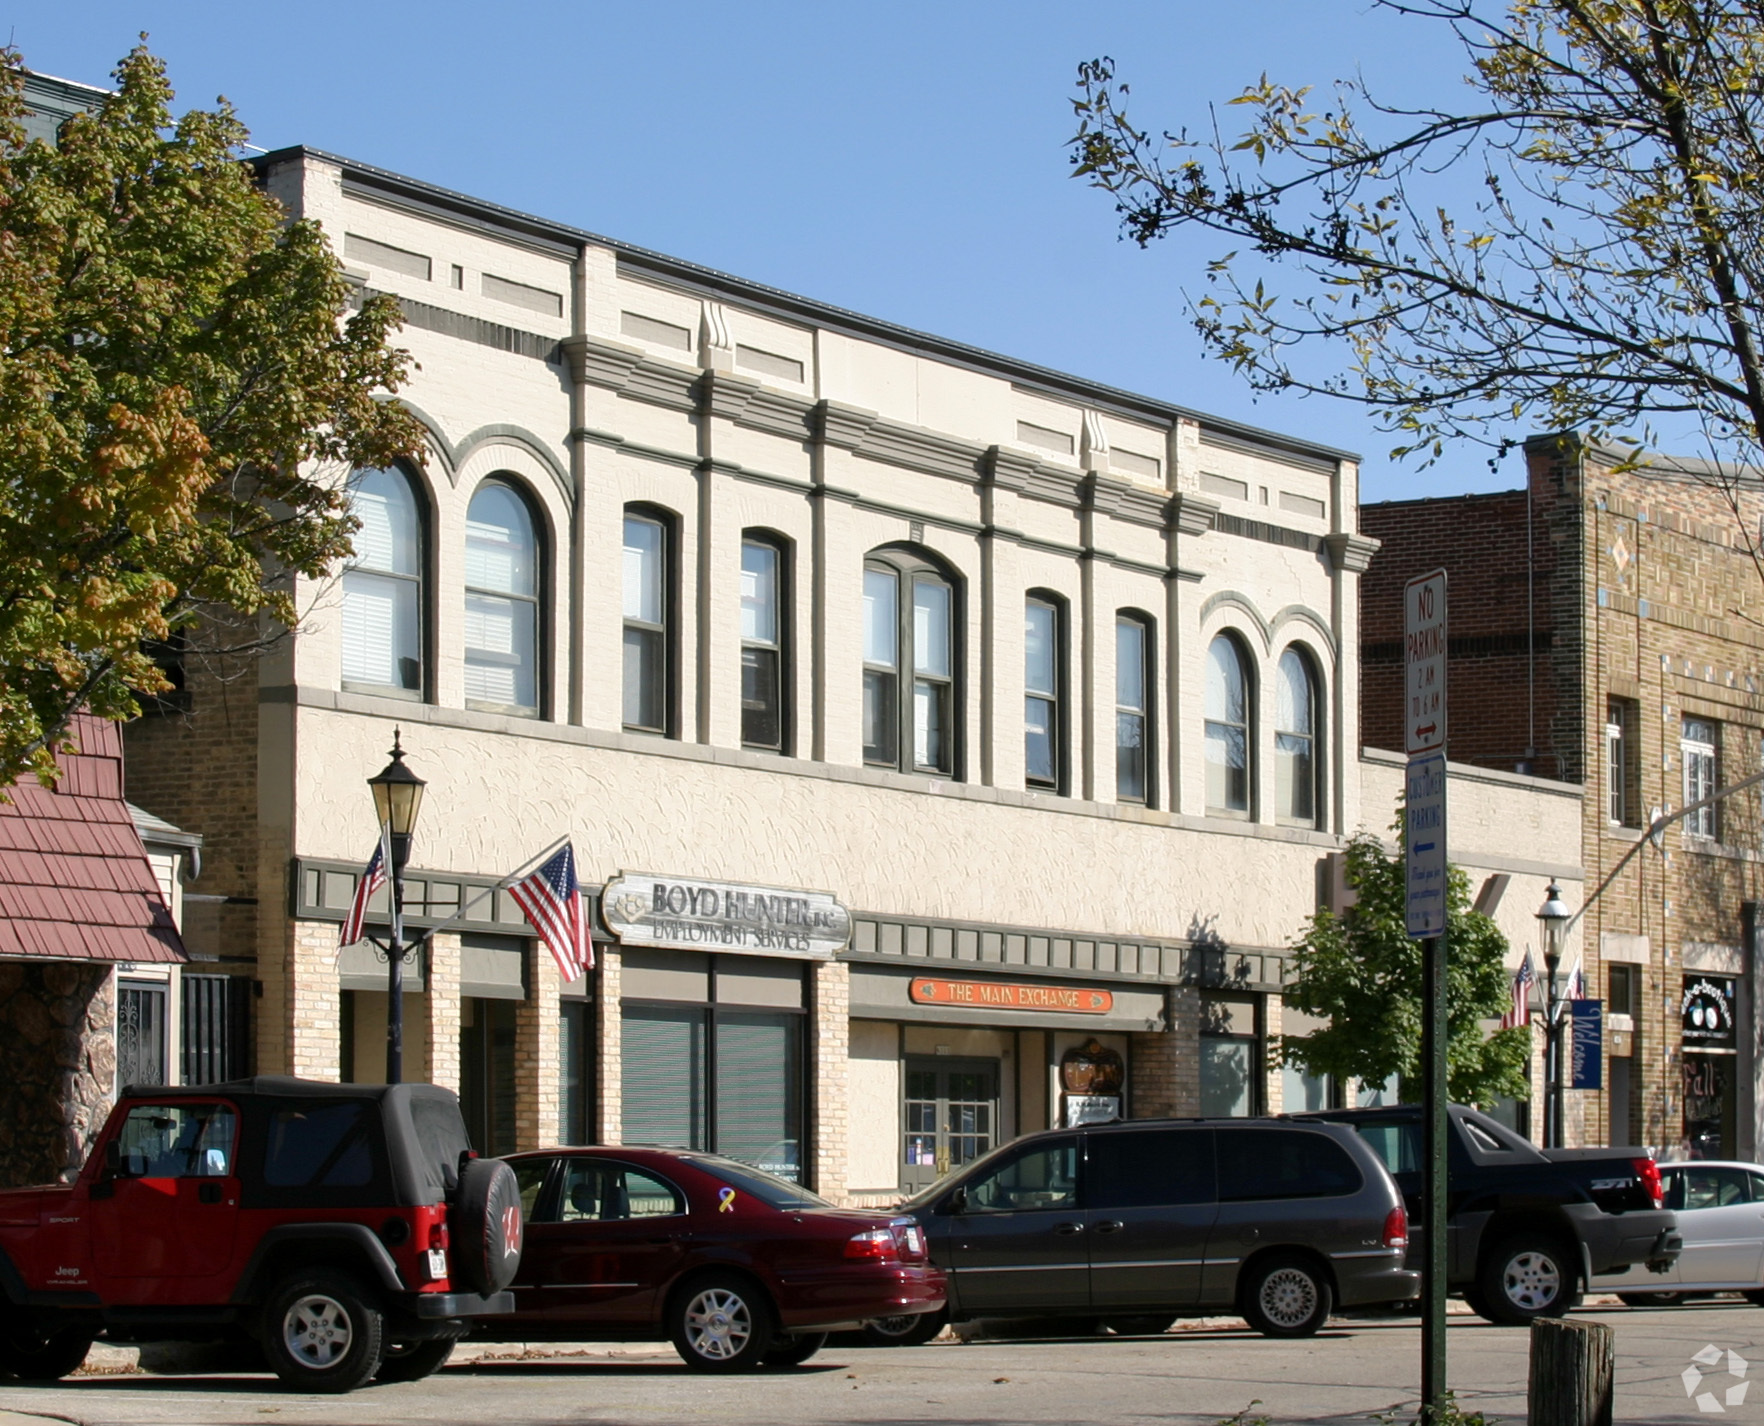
[[216, 1028]]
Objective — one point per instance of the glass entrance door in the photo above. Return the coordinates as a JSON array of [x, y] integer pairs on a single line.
[[950, 1116]]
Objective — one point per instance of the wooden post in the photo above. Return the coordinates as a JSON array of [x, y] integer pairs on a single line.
[[1571, 1373]]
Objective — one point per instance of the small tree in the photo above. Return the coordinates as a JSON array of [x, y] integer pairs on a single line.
[[1573, 240], [182, 390], [1362, 972]]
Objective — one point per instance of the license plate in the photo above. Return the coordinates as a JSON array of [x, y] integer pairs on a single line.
[[437, 1262]]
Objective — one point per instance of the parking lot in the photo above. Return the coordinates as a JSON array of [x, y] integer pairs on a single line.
[[1194, 1376]]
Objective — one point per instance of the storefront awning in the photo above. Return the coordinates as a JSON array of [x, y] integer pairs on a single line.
[[75, 883]]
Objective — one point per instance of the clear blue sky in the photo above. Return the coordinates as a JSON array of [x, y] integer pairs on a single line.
[[905, 160]]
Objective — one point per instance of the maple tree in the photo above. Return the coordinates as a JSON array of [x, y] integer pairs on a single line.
[[183, 390]]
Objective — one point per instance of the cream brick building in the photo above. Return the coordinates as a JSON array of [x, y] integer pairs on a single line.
[[1044, 693]]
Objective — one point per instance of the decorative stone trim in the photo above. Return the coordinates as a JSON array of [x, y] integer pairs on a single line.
[[1351, 553]]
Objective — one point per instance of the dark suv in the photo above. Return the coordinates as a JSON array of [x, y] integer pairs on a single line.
[[346, 1230], [1138, 1223]]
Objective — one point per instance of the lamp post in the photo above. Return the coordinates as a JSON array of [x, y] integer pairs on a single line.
[[1553, 916], [398, 793]]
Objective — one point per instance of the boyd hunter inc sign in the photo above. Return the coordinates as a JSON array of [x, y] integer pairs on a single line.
[[684, 912]]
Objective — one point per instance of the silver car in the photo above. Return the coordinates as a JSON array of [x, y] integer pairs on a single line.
[[1720, 1208]]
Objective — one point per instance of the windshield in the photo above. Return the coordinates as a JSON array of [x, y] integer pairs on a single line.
[[768, 1188]]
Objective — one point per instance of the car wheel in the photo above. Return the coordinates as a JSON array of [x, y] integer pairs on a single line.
[[913, 1330], [1146, 1326], [721, 1323], [412, 1361], [1286, 1295], [323, 1332], [32, 1355], [794, 1348], [1755, 1296], [1525, 1278], [1650, 1299]]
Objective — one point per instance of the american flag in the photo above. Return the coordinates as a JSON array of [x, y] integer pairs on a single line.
[[1519, 1010], [373, 877], [1576, 982], [553, 903]]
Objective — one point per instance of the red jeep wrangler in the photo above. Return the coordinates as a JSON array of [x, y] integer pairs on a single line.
[[346, 1229]]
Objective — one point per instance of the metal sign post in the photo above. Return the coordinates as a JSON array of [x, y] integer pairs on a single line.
[[1424, 850]]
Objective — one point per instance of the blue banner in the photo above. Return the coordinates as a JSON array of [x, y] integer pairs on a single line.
[[1585, 1063]]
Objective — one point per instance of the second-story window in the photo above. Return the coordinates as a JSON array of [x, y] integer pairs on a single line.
[[762, 644], [1700, 746], [1132, 709], [383, 586], [501, 600], [1227, 727], [1622, 762], [909, 711], [1043, 733], [1295, 741], [646, 624]]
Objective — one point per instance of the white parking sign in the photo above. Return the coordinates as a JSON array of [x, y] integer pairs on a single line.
[[1424, 663]]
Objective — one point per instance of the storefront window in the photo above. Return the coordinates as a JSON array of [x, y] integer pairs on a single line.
[[1230, 1058], [572, 1086], [1710, 1084], [487, 1073], [716, 1077]]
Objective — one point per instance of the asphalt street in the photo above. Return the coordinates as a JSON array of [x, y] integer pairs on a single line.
[[1194, 1376]]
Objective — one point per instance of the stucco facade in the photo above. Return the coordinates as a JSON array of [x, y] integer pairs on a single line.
[[1036, 922]]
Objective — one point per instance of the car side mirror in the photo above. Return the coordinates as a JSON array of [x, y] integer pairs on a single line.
[[957, 1202]]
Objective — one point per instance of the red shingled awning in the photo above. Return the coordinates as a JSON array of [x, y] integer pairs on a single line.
[[75, 883]]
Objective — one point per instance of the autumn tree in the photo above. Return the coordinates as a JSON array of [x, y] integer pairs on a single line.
[[1577, 245], [1359, 970], [182, 389]]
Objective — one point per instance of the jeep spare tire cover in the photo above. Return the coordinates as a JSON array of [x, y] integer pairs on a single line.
[[487, 1229]]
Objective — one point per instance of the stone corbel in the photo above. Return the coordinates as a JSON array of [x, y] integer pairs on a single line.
[[842, 426], [726, 395], [1101, 491], [597, 362], [1007, 468], [716, 349], [1352, 553], [1192, 514]]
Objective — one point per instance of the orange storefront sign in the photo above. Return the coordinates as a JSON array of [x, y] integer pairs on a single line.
[[999, 995]]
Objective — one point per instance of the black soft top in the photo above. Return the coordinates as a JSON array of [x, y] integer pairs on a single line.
[[424, 1132]]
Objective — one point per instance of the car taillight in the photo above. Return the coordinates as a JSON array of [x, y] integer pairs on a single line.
[[1396, 1228], [876, 1246], [1649, 1173], [438, 1234], [909, 1242]]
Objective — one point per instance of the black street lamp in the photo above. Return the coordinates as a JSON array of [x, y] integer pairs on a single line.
[[1553, 916], [398, 794]]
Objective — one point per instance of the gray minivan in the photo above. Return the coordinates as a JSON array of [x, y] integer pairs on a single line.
[[1140, 1222]]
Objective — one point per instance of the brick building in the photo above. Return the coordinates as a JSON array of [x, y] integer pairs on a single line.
[[1605, 631]]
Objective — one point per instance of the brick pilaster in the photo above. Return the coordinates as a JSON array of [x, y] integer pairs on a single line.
[[1164, 1070], [609, 1047], [829, 1055], [538, 1048], [311, 1004], [441, 1057]]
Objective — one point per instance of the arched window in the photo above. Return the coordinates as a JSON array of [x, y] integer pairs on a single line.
[[764, 710], [1228, 727], [383, 585], [909, 665], [1297, 722], [1044, 693], [1133, 689], [649, 623], [501, 600]]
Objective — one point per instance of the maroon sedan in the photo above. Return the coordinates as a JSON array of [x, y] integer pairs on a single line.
[[735, 1267]]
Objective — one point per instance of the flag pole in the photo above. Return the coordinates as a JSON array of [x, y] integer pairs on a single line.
[[489, 891]]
